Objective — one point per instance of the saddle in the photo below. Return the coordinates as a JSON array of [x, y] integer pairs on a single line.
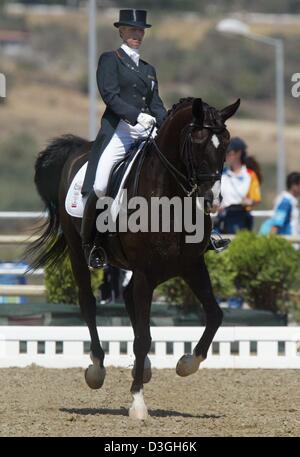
[[121, 170], [119, 176]]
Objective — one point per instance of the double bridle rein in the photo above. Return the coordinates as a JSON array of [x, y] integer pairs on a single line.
[[189, 184]]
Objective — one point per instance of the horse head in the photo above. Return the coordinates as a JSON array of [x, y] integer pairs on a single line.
[[204, 142]]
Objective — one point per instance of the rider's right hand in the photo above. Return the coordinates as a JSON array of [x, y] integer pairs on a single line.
[[146, 121]]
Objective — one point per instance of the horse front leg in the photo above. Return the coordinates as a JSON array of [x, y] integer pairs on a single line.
[[142, 291], [200, 283], [129, 303]]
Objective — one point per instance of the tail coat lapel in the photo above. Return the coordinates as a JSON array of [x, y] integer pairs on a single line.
[[129, 63]]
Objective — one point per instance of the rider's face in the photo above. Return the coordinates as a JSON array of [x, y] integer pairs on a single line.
[[132, 36]]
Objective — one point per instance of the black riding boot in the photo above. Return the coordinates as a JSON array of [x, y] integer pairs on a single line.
[[93, 255]]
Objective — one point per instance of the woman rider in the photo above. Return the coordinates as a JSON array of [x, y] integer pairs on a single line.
[[129, 88]]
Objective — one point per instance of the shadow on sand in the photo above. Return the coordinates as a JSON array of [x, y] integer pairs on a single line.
[[124, 412]]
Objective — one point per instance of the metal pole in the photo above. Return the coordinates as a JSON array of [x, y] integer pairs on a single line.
[[92, 71], [280, 115], [237, 27], [281, 165]]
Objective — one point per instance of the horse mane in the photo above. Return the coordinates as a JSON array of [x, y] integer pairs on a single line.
[[183, 102]]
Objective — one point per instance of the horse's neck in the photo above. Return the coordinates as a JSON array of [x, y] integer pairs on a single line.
[[168, 138], [168, 143]]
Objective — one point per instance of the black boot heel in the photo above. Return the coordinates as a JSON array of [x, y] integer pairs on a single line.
[[219, 244]]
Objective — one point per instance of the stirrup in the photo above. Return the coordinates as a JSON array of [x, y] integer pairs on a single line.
[[103, 257], [214, 242]]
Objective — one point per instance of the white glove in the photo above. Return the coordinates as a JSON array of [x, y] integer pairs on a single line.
[[146, 121]]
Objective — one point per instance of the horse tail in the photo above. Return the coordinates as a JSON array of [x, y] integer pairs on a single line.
[[51, 245]]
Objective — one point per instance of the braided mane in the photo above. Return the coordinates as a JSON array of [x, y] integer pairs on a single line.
[[182, 103]]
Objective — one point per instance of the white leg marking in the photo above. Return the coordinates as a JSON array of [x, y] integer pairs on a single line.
[[138, 409]]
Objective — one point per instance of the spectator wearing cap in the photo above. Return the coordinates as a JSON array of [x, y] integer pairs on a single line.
[[240, 188], [285, 220]]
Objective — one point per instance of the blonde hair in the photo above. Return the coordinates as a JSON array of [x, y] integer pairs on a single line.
[[121, 28]]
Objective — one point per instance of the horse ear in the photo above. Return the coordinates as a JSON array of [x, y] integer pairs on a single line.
[[230, 110], [198, 111]]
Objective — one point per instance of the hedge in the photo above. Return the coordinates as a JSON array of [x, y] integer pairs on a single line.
[[265, 271], [61, 286]]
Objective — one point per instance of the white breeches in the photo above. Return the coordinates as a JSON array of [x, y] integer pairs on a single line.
[[123, 137]]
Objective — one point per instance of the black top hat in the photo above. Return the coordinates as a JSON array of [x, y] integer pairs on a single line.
[[133, 18]]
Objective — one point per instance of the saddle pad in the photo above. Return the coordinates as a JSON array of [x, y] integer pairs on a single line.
[[75, 202]]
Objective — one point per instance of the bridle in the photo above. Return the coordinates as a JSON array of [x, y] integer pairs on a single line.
[[190, 184], [194, 176]]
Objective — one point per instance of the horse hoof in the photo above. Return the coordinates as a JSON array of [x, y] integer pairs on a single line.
[[188, 364], [138, 409], [94, 374], [147, 370]]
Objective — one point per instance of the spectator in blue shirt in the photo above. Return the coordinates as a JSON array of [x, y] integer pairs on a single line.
[[285, 220]]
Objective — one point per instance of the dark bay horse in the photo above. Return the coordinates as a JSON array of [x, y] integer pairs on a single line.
[[187, 157]]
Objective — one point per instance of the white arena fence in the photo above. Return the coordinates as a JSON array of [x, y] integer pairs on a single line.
[[233, 347]]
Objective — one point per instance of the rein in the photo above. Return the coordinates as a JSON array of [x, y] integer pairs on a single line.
[[177, 175]]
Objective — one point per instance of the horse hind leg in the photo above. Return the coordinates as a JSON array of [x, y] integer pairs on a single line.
[[199, 282], [95, 373], [129, 303]]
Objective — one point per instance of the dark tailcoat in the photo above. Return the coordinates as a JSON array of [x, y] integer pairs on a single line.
[[127, 90]]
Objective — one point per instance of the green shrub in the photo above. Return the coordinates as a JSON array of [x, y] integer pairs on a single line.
[[222, 273], [61, 286], [222, 276], [266, 269], [176, 291]]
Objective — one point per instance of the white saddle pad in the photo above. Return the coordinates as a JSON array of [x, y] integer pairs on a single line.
[[74, 202]]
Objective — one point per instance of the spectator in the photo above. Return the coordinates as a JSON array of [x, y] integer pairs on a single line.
[[110, 287], [240, 189], [286, 212]]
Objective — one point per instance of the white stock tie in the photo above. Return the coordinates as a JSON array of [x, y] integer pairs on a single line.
[[135, 57]]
